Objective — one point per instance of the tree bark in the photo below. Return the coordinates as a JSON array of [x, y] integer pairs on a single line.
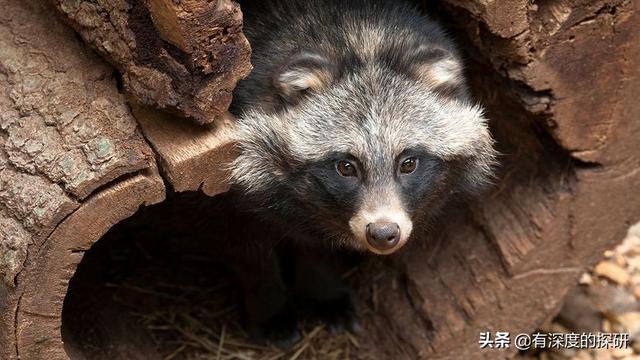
[[72, 164], [559, 79], [184, 57], [73, 159]]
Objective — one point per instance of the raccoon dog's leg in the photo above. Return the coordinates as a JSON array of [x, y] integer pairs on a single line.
[[320, 291], [269, 313]]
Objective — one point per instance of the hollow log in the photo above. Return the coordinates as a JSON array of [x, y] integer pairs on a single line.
[[562, 101], [72, 163], [184, 57], [558, 78]]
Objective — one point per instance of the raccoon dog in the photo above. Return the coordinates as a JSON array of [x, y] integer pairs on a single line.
[[355, 128]]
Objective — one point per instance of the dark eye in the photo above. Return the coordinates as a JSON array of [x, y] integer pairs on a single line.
[[346, 168], [408, 165]]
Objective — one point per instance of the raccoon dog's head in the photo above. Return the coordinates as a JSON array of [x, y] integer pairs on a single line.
[[362, 151]]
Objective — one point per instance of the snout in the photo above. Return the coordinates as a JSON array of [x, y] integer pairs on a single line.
[[382, 230], [383, 235]]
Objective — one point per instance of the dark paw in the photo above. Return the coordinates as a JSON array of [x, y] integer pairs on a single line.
[[280, 330], [339, 314]]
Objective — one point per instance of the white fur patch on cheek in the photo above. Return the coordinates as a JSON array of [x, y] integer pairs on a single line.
[[260, 140]]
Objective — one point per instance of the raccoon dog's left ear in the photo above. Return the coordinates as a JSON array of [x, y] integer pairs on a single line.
[[303, 72], [438, 68]]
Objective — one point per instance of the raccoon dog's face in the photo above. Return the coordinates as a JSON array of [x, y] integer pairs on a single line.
[[362, 155]]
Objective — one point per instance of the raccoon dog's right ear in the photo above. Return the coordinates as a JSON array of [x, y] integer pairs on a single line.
[[438, 68], [303, 72]]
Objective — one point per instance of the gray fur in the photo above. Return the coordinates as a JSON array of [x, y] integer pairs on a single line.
[[404, 89]]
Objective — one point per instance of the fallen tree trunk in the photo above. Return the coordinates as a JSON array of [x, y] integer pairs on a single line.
[[70, 153], [559, 79], [73, 163]]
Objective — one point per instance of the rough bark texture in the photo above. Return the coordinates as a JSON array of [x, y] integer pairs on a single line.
[[559, 78], [180, 56], [65, 129], [72, 163]]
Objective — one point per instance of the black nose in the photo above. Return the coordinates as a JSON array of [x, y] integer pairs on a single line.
[[383, 235]]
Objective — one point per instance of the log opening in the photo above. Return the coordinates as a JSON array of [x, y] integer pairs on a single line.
[[153, 286], [138, 292]]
